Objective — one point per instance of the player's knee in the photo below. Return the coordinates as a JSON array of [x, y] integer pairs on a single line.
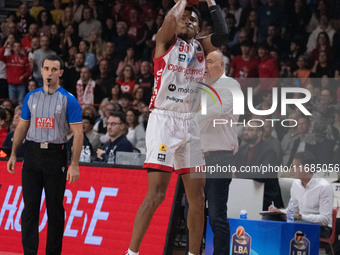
[[198, 200], [155, 199]]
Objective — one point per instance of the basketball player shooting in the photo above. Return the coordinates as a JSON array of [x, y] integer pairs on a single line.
[[172, 135]]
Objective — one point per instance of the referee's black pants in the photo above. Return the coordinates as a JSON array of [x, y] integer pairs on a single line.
[[43, 168]]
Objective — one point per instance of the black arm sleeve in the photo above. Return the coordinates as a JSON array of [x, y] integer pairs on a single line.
[[220, 35]]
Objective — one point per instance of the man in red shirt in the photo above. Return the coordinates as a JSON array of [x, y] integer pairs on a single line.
[[18, 70], [26, 40], [244, 66], [268, 69]]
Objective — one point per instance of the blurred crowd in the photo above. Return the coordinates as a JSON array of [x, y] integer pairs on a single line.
[[107, 47]]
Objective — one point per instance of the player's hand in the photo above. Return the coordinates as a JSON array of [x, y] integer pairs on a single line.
[[11, 164], [72, 174]]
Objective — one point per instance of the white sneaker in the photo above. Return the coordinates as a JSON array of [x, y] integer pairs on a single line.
[[128, 252]]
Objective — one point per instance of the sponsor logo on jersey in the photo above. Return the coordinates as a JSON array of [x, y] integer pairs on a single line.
[[181, 57], [187, 90], [175, 99], [161, 157], [45, 123], [241, 242], [199, 48], [163, 148], [200, 57], [172, 87], [299, 244]]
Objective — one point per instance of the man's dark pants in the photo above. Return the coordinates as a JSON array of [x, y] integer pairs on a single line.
[[43, 168], [217, 190]]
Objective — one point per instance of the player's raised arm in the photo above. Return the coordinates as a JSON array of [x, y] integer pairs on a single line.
[[168, 29], [220, 34]]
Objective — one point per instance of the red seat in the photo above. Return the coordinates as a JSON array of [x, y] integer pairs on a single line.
[[330, 240]]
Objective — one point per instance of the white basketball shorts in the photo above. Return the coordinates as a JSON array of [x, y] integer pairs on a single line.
[[173, 142]]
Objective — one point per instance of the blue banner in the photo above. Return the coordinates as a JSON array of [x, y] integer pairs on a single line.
[[269, 237]]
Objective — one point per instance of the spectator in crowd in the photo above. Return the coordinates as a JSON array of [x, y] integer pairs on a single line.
[[242, 36], [9, 138], [89, 24], [267, 68], [109, 29], [68, 39], [7, 104], [125, 101], [90, 134], [36, 9], [18, 70], [302, 73], [269, 13], [72, 75], [85, 87], [322, 67], [322, 44], [116, 126], [115, 93], [299, 144], [12, 29], [137, 30], [145, 80], [38, 56], [3, 126], [16, 117], [90, 111], [323, 136], [27, 39], [297, 20], [90, 58], [251, 26], [271, 140], [275, 41], [255, 152], [312, 195], [97, 45], [138, 95], [67, 19], [136, 132], [321, 10], [121, 40], [234, 8], [151, 37], [230, 19], [104, 81], [100, 126], [32, 85], [324, 26], [289, 138], [294, 52], [57, 13], [35, 45], [77, 10], [23, 18], [112, 56], [244, 66], [55, 39], [336, 46], [126, 80], [44, 23], [131, 60]]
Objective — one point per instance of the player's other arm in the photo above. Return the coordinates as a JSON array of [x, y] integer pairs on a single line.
[[168, 29], [19, 136], [220, 35]]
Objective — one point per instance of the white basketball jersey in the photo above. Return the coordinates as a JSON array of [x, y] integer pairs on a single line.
[[177, 74]]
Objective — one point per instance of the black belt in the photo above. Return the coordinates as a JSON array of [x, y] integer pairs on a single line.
[[47, 146]]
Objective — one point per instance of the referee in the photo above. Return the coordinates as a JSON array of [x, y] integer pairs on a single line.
[[47, 114]]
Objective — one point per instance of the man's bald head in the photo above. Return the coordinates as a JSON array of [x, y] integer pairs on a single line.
[[214, 65]]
